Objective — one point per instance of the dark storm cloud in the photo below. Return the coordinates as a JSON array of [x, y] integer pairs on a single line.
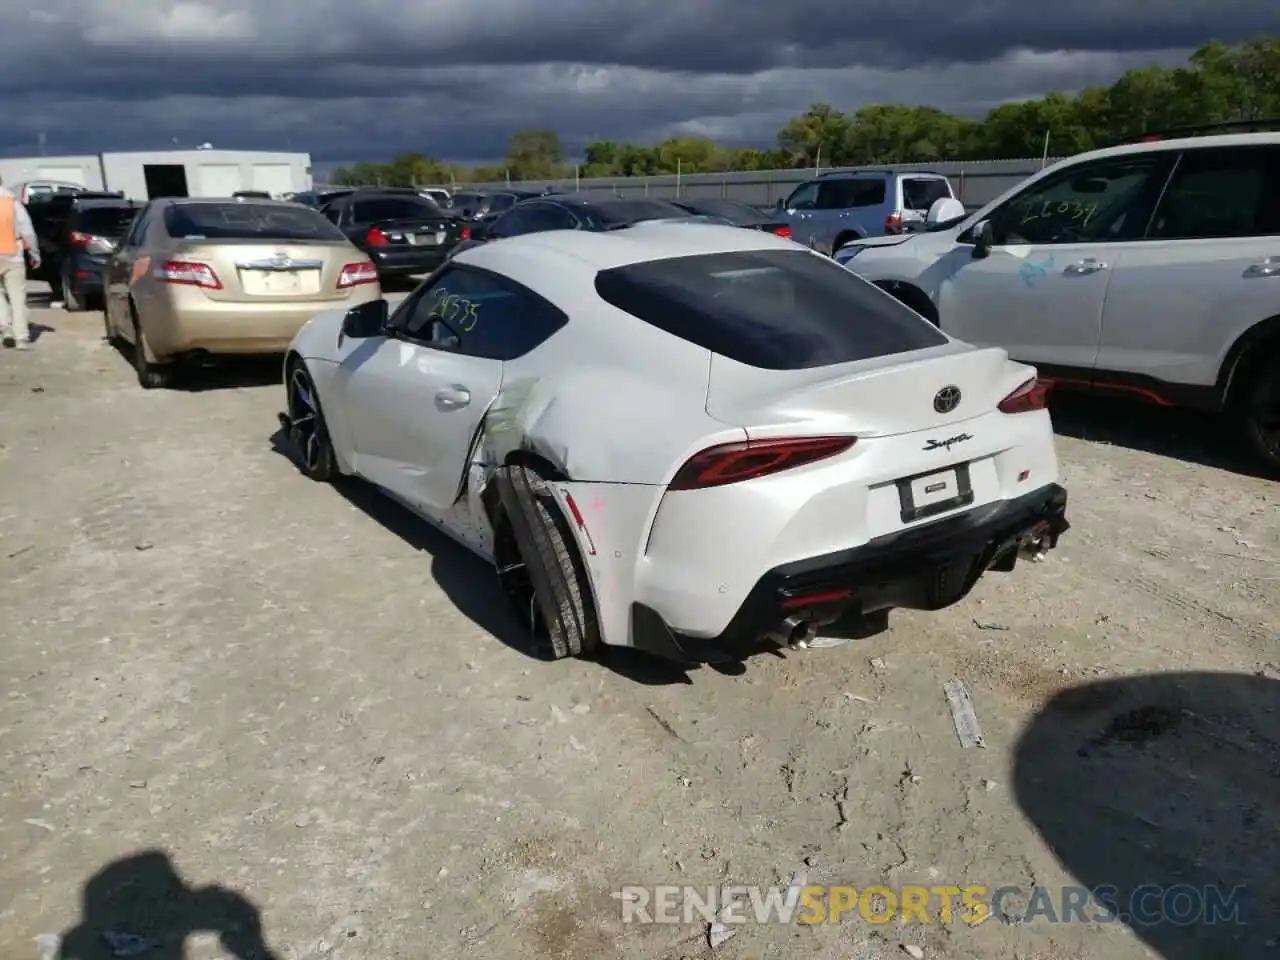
[[454, 77]]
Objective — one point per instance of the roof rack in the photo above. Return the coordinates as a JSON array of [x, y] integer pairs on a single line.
[[1263, 125]]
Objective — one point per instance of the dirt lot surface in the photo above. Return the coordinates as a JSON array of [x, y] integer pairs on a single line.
[[236, 702]]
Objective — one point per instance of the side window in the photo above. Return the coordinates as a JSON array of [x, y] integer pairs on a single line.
[[481, 315], [1093, 203], [1221, 193], [546, 216], [804, 197], [510, 224], [850, 194], [138, 229]]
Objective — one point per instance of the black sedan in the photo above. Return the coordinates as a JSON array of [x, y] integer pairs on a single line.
[[736, 213], [401, 232], [575, 211]]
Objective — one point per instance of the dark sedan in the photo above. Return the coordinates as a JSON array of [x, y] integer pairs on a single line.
[[575, 211], [402, 233], [736, 213], [487, 205]]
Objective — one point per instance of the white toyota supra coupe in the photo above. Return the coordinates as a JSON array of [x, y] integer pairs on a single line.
[[691, 439]]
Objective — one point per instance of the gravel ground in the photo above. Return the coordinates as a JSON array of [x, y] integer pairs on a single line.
[[237, 703]]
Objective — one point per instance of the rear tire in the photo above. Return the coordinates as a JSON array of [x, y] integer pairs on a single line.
[[1261, 412], [151, 376], [564, 615]]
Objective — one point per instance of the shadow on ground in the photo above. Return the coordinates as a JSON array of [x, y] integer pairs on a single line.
[[139, 906], [222, 373], [471, 584], [1208, 439], [1164, 791]]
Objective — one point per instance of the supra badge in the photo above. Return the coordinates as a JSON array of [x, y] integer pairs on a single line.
[[948, 443], [946, 399]]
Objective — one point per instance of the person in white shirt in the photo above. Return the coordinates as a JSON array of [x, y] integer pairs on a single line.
[[17, 242]]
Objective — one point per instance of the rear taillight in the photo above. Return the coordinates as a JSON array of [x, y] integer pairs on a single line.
[[376, 238], [466, 232], [355, 274], [1032, 395], [187, 273], [735, 462], [783, 231], [94, 244], [78, 239], [893, 223]]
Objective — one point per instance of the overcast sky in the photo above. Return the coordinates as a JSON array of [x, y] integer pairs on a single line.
[[351, 79]]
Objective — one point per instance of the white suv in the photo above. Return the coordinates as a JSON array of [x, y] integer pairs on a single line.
[[1151, 268]]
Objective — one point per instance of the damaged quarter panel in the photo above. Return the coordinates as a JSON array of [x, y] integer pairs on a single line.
[[616, 406]]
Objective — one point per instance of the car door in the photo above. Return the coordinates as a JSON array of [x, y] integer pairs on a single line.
[[117, 276], [798, 211], [1040, 290], [415, 399], [1207, 270]]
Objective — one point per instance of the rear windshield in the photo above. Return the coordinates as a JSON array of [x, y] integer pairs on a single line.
[[247, 221], [503, 201], [773, 309], [110, 222], [613, 213], [923, 194], [395, 208]]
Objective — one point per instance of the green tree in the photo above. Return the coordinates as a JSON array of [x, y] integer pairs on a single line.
[[535, 155], [816, 136]]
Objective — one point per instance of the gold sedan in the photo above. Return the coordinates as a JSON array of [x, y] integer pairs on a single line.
[[196, 277]]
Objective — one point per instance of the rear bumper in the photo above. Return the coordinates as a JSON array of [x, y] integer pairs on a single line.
[[401, 263], [84, 273], [926, 567], [195, 323]]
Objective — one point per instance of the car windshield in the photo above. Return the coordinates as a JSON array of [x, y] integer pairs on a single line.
[[247, 221], [771, 309], [104, 221], [395, 208], [622, 213]]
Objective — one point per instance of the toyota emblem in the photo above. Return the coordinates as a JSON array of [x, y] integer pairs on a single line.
[[946, 399]]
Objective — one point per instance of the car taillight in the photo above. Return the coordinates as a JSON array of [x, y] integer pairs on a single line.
[[187, 273], [893, 223], [376, 238], [78, 239], [355, 274], [1032, 395], [783, 231], [466, 232], [735, 462]]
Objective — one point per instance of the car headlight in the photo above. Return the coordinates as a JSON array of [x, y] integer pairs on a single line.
[[845, 254]]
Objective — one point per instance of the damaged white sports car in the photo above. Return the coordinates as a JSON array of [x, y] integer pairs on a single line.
[[690, 439]]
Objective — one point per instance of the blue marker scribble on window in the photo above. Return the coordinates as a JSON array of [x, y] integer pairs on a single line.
[[1032, 272]]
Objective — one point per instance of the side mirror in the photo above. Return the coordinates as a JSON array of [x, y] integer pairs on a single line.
[[984, 240], [366, 320]]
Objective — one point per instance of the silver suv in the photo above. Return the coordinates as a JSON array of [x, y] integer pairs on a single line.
[[841, 206]]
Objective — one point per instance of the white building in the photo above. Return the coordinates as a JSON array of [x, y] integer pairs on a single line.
[[173, 173]]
